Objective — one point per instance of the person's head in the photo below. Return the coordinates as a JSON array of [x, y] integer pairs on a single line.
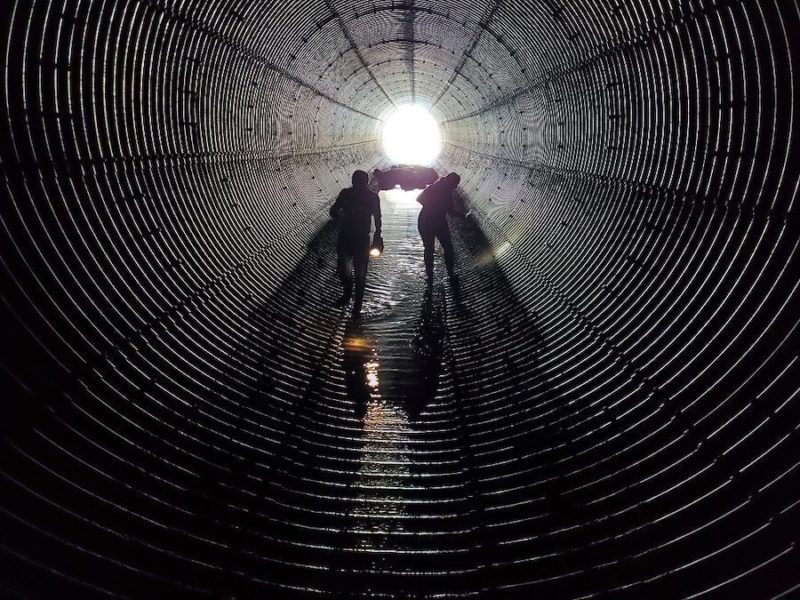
[[360, 179], [453, 179]]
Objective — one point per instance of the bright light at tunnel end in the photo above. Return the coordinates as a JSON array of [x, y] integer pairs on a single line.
[[411, 136]]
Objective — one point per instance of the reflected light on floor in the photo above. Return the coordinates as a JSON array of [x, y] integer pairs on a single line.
[[383, 472], [363, 351], [355, 343], [372, 375], [383, 465]]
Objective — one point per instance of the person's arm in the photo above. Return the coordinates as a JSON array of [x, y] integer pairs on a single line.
[[336, 207], [377, 180], [456, 206], [376, 213], [451, 205]]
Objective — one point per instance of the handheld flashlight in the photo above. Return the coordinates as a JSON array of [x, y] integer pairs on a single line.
[[376, 249]]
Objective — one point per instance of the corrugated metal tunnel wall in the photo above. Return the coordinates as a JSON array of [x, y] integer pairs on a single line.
[[617, 413]]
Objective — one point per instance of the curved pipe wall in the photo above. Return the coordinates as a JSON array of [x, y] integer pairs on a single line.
[[167, 169]]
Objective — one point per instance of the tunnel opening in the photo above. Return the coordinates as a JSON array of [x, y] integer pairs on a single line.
[[411, 136], [605, 404]]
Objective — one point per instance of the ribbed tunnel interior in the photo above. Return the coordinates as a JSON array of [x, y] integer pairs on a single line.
[[607, 404]]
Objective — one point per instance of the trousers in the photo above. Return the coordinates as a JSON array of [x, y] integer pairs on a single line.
[[352, 257], [430, 230]]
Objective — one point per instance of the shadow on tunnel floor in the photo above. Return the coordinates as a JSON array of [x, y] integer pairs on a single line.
[[411, 370], [508, 407], [330, 455], [353, 467]]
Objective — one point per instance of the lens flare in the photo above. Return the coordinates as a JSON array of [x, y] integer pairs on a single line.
[[411, 136]]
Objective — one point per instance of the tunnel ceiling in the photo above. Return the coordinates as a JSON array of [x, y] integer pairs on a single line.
[[618, 410]]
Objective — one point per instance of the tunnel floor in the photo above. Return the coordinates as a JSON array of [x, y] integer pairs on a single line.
[[386, 446], [348, 467], [419, 452], [381, 467]]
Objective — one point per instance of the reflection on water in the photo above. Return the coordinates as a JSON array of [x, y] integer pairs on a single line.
[[414, 512], [372, 375], [360, 366], [391, 362], [409, 369], [377, 510]]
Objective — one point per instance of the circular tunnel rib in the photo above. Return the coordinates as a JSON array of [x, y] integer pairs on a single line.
[[604, 403]]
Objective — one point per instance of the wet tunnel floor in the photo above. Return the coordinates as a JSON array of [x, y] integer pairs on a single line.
[[421, 452], [315, 456], [407, 515], [384, 452]]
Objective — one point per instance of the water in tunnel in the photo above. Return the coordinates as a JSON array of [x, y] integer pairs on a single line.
[[605, 404]]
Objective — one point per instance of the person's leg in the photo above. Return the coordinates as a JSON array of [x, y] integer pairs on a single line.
[[360, 266], [360, 262], [344, 261], [443, 234], [428, 241]]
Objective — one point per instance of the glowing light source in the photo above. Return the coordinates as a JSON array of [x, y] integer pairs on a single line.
[[411, 136], [376, 249]]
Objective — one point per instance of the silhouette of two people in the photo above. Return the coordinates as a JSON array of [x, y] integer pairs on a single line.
[[357, 206]]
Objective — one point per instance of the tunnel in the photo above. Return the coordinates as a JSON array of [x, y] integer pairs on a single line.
[[604, 405]]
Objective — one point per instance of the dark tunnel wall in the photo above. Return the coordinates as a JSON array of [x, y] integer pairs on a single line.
[[624, 383]]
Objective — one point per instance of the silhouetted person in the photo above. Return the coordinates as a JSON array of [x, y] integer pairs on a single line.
[[377, 180], [357, 206], [437, 201]]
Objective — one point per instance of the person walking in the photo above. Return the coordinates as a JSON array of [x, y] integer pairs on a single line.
[[437, 201], [357, 206]]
